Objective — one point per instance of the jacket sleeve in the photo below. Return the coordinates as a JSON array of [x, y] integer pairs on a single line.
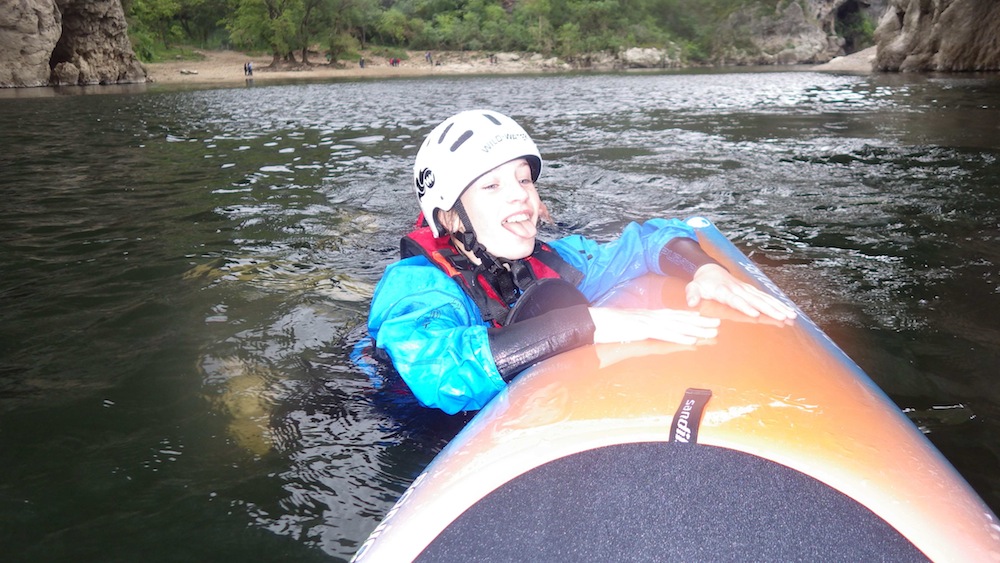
[[636, 252], [435, 336]]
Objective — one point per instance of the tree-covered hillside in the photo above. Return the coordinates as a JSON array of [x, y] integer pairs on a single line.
[[290, 29]]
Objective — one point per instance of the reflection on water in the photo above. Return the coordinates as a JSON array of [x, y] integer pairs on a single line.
[[184, 273]]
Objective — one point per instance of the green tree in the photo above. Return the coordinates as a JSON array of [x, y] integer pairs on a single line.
[[313, 18], [199, 20], [150, 25], [534, 16], [394, 27], [270, 24], [156, 17], [569, 39], [498, 29]]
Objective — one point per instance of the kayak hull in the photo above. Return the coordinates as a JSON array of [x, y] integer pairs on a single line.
[[794, 442]]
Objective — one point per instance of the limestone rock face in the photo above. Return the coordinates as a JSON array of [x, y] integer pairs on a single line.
[[65, 42], [790, 31], [95, 41], [787, 34], [28, 34], [939, 35], [638, 57]]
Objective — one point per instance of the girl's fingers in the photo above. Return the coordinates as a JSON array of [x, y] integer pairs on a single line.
[[743, 297]]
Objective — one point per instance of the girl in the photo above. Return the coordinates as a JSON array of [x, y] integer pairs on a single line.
[[456, 315]]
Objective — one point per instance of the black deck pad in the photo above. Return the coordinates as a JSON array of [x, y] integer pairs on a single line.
[[658, 501]]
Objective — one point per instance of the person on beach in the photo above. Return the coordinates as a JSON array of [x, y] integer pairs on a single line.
[[449, 314]]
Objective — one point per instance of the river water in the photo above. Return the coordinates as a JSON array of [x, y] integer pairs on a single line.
[[182, 271]]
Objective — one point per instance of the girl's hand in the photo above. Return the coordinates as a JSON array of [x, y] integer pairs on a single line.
[[669, 325], [713, 282]]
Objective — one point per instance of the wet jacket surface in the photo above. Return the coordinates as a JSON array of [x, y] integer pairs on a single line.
[[435, 334]]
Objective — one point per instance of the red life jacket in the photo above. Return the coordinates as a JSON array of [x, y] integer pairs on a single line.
[[543, 263]]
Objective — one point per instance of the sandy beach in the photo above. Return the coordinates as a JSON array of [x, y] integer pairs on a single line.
[[227, 67]]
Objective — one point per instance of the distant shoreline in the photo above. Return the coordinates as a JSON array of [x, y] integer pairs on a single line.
[[227, 67], [221, 67]]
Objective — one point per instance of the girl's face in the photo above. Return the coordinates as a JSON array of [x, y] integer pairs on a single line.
[[503, 207]]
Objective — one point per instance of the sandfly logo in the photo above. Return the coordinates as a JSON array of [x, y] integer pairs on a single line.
[[683, 431], [684, 428]]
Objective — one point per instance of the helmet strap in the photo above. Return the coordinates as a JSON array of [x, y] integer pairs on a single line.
[[471, 243], [509, 277], [468, 236]]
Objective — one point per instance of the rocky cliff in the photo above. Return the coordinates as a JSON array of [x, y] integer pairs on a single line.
[[939, 35], [63, 42], [792, 31]]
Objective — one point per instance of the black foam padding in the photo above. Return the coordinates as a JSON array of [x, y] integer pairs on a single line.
[[659, 501]]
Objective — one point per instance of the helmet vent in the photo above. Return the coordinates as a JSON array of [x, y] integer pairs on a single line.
[[445, 133], [491, 118], [458, 142]]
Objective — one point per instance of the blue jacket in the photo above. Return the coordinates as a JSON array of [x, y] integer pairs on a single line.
[[436, 337]]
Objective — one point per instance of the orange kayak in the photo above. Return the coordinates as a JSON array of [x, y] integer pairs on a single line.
[[767, 443]]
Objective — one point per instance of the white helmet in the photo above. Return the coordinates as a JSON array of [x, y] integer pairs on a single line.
[[461, 149]]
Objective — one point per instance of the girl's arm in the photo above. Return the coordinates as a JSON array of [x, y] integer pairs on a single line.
[[435, 337], [667, 247]]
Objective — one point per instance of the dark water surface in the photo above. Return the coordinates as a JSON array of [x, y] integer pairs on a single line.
[[181, 271]]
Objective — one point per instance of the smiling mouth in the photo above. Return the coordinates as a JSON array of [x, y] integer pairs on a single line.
[[517, 218], [521, 225]]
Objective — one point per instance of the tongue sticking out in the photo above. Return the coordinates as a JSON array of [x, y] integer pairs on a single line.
[[523, 229]]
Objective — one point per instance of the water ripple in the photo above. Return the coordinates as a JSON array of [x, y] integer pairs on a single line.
[[194, 264]]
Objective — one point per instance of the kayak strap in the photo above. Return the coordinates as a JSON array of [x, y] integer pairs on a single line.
[[687, 419]]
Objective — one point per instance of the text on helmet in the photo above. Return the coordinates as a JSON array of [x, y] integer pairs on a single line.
[[488, 146]]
